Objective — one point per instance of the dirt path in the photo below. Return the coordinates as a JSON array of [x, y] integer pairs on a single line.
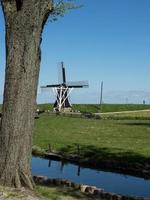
[[122, 112]]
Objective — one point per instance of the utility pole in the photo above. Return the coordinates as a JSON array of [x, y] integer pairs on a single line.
[[101, 96]]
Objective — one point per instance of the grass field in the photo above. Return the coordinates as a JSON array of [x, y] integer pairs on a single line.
[[94, 108], [100, 139]]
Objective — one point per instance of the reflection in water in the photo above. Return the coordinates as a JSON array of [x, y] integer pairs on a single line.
[[112, 182], [49, 163], [79, 170], [62, 166]]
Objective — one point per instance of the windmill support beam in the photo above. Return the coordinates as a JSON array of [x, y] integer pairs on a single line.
[[61, 94]]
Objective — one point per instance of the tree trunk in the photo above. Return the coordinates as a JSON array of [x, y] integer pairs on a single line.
[[24, 25]]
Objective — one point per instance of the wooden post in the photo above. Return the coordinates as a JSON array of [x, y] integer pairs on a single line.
[[101, 96], [78, 149], [49, 148]]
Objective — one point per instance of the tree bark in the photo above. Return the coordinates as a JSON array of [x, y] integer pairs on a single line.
[[24, 24]]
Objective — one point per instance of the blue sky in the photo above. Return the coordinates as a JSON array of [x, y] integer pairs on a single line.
[[105, 40]]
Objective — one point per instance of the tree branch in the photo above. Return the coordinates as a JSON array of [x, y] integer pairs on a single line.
[[61, 7]]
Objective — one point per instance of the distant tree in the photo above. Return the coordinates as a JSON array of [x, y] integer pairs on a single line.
[[24, 23]]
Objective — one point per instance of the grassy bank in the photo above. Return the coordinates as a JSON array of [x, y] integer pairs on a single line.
[[109, 107], [94, 108], [43, 193], [124, 140], [62, 193]]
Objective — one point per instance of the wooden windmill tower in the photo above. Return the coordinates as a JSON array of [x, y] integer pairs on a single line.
[[63, 89]]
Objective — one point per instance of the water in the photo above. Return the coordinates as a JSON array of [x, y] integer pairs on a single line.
[[111, 182]]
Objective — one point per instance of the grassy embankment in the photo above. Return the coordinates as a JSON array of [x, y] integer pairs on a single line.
[[62, 193], [124, 140], [94, 108]]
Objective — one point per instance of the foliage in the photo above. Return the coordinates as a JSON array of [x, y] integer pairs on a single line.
[[60, 7]]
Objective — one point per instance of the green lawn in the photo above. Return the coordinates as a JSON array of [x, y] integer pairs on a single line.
[[101, 139]]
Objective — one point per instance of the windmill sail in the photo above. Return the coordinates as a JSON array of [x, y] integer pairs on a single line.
[[78, 84], [61, 73]]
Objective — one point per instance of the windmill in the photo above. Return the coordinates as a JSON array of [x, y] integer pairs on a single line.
[[63, 89]]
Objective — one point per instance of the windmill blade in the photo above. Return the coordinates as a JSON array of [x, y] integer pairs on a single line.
[[45, 89], [61, 73], [51, 86], [48, 88], [78, 84]]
